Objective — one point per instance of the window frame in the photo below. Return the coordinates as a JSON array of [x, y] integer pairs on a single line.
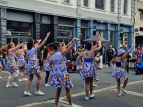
[[100, 5], [85, 2], [112, 6], [125, 7], [65, 1]]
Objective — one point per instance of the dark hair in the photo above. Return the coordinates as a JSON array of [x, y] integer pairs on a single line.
[[45, 53], [88, 45], [7, 48], [30, 44]]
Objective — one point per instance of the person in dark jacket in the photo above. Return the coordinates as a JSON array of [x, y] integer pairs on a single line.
[[110, 54]]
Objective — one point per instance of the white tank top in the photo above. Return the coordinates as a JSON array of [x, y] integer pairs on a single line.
[[32, 54], [58, 60]]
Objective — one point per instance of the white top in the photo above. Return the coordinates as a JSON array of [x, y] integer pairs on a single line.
[[32, 54], [58, 60]]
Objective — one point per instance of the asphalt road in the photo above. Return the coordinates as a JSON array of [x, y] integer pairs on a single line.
[[105, 92]]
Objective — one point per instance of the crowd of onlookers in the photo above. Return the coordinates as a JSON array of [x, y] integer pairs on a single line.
[[137, 57]]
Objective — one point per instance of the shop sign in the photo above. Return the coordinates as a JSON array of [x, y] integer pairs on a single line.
[[37, 40], [121, 30], [94, 27], [7, 33]]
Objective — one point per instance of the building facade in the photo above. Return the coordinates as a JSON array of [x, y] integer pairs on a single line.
[[26, 19], [138, 26]]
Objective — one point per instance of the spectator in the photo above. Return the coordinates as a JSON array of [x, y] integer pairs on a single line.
[[139, 48], [124, 47], [116, 51], [139, 68], [139, 51], [134, 54], [127, 64], [73, 66], [110, 54], [73, 57], [142, 53], [82, 48]]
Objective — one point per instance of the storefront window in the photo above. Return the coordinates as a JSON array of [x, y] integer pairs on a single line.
[[83, 35], [100, 33], [123, 39], [112, 38], [65, 31], [45, 19], [19, 28]]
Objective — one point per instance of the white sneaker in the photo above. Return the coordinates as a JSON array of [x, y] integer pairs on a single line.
[[86, 98], [20, 80], [25, 79], [70, 106], [0, 77], [8, 85], [119, 95], [27, 93], [83, 85], [14, 84], [123, 90], [39, 93], [107, 67], [47, 85], [91, 96], [94, 85]]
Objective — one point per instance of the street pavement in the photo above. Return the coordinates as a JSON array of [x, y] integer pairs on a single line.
[[105, 93]]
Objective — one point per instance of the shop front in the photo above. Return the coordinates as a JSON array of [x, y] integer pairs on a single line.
[[19, 25], [20, 31], [65, 30]]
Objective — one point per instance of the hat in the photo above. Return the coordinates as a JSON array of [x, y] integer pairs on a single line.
[[110, 46], [120, 51]]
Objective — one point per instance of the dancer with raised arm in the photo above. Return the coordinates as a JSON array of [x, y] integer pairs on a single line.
[[21, 62], [1, 67], [46, 59], [89, 67], [119, 71], [11, 66], [60, 75], [32, 66]]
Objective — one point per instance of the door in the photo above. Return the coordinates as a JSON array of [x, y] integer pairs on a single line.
[[15, 41]]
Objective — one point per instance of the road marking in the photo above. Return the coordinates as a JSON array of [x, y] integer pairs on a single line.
[[83, 93], [68, 103], [129, 92]]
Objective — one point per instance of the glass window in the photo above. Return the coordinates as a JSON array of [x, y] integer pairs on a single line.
[[99, 4], [125, 6], [65, 31], [112, 5], [19, 28], [112, 38], [85, 3], [67, 1], [45, 19], [8, 40]]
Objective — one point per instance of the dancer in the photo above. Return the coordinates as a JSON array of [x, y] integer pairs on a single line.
[[89, 67], [60, 75], [46, 59], [11, 66], [21, 62], [32, 66], [119, 71], [1, 67]]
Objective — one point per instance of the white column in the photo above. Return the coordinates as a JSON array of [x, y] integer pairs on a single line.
[[115, 6], [82, 3], [107, 4], [91, 4]]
